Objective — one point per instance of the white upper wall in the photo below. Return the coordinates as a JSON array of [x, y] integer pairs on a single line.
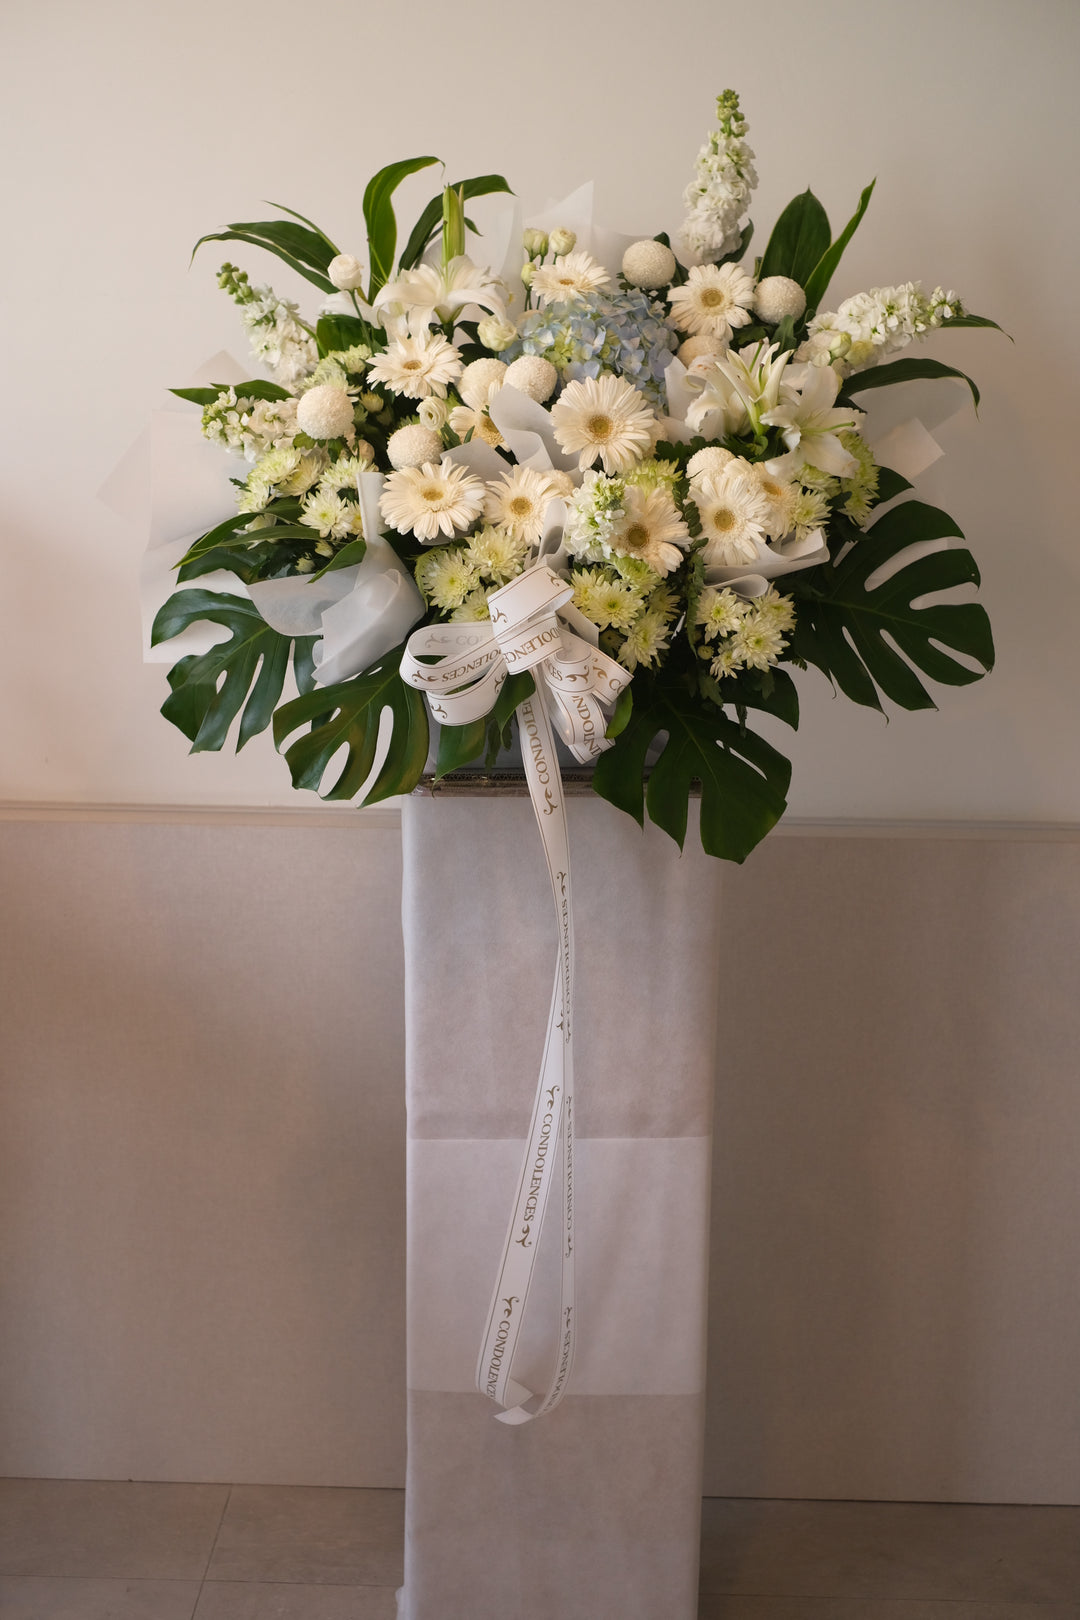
[[135, 128]]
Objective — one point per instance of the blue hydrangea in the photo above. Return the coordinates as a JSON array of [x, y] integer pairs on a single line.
[[623, 332]]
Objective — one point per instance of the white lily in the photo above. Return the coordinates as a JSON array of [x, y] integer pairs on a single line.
[[438, 293], [809, 424], [739, 386]]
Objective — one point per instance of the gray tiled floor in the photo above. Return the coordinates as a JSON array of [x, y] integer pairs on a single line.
[[108, 1550]]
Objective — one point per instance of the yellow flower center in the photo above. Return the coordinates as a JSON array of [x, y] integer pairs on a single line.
[[723, 518], [636, 537], [520, 506], [713, 298], [431, 493], [598, 427], [772, 490], [412, 365]]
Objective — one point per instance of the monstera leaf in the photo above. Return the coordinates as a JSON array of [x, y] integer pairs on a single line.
[[743, 779], [348, 716], [209, 689], [872, 638]]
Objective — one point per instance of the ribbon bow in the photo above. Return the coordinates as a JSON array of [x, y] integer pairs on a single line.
[[472, 661]]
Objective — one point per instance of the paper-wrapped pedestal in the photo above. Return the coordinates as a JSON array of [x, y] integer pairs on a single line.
[[593, 1509]]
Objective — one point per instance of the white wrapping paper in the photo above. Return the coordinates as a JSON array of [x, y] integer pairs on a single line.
[[593, 1510]]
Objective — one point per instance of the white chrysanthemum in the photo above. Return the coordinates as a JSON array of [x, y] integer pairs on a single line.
[[776, 297], [417, 366], [713, 459], [733, 514], [517, 501], [648, 264], [325, 412], [569, 278], [479, 381], [475, 424], [345, 272], [429, 500], [446, 577], [781, 498], [532, 375], [758, 642], [726, 662], [810, 510], [719, 611], [607, 603], [474, 609], [693, 348], [651, 530], [646, 639], [498, 553], [604, 417], [775, 610], [326, 511], [713, 300], [309, 471], [412, 445]]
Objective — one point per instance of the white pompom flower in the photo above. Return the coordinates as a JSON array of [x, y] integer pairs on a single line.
[[776, 297], [648, 264], [324, 412], [532, 375], [692, 348], [412, 445], [345, 272], [479, 380]]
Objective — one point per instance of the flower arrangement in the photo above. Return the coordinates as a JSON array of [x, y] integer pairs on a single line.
[[663, 442]]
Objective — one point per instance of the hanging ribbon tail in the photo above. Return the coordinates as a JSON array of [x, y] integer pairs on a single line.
[[462, 668]]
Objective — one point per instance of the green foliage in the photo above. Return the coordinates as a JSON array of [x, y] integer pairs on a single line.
[[208, 689], [800, 237], [904, 371], [234, 525], [743, 779], [816, 284], [341, 332], [459, 746], [351, 553], [379, 216], [867, 640], [307, 251], [257, 388], [347, 716], [424, 230]]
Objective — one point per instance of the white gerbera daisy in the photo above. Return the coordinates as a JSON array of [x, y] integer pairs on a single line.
[[446, 577], [431, 500], [468, 423], [569, 278], [651, 529], [646, 639], [733, 514], [517, 500], [782, 499], [417, 366], [498, 553], [604, 416], [713, 300]]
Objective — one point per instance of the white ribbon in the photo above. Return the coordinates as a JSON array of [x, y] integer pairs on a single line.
[[573, 679]]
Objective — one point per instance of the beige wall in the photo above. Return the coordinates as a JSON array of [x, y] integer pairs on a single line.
[[201, 1211]]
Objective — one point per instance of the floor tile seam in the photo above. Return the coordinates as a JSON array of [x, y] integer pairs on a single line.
[[881, 1597], [332, 1586], [213, 1546]]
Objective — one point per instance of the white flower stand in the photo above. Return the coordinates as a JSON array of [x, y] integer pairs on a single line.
[[594, 1509]]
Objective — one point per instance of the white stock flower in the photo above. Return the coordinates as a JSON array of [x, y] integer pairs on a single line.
[[417, 366], [431, 500], [809, 424], [714, 300], [877, 323], [604, 417], [569, 278], [719, 194]]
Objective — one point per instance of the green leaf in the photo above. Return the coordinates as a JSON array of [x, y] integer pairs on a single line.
[[243, 561], [306, 252], [817, 282], [620, 715], [842, 627], [973, 320], [209, 689], [379, 216], [231, 526], [349, 554], [348, 715], [305, 221], [904, 371], [257, 388], [745, 238], [423, 231], [800, 237], [890, 484], [340, 332], [459, 746]]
